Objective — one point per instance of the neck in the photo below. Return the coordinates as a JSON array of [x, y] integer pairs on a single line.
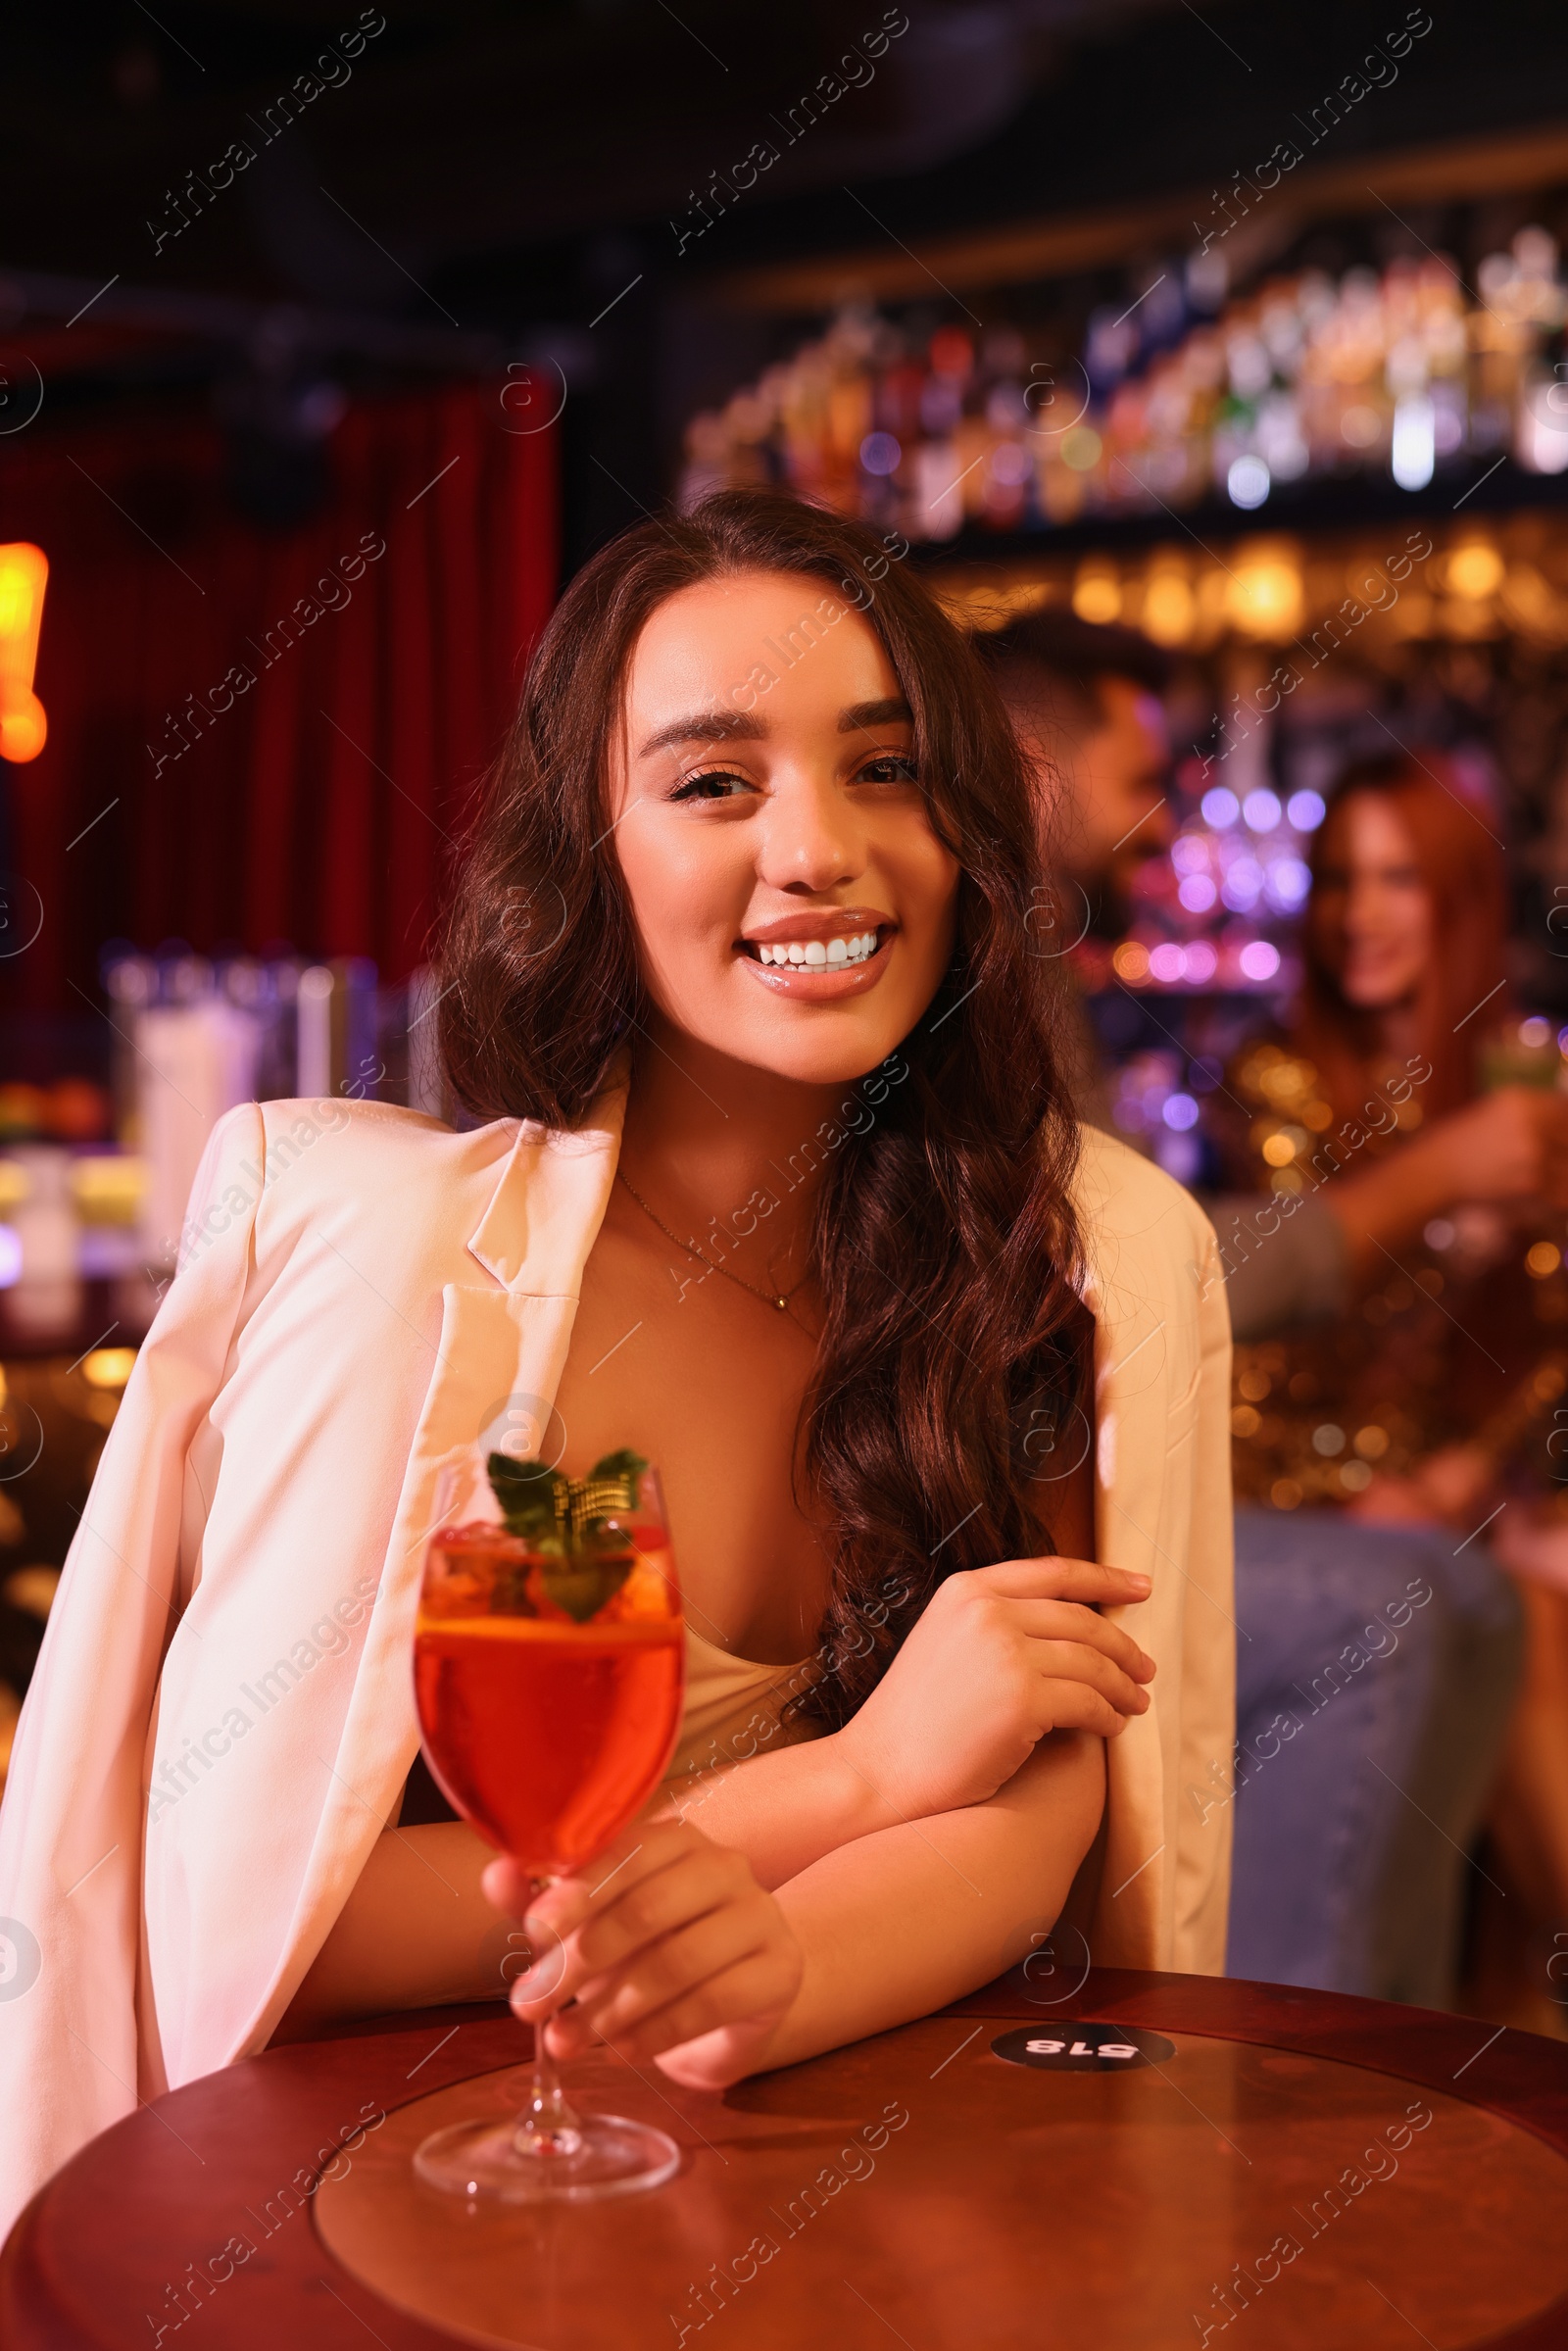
[[704, 1133], [1393, 1031]]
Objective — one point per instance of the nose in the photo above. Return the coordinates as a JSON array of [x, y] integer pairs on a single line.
[[1360, 905], [812, 838]]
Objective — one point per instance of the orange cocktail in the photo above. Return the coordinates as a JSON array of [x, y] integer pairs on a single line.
[[549, 1673], [548, 1733]]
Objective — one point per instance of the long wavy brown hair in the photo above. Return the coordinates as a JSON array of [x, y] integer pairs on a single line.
[[944, 1243], [1462, 866]]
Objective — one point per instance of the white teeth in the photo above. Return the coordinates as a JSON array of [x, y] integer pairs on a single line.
[[818, 953]]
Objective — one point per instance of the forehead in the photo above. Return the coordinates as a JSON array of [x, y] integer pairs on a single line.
[[783, 645], [1365, 829]]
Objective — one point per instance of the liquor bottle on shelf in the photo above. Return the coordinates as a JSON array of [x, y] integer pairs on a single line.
[[1394, 372]]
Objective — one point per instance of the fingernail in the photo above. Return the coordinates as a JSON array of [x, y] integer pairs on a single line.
[[1143, 1581]]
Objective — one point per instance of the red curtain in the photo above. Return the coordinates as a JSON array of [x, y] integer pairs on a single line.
[[314, 803]]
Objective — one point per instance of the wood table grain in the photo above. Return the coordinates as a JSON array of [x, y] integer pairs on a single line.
[[1302, 2169]]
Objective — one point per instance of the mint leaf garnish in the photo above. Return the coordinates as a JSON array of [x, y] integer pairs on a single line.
[[582, 1560], [527, 1492], [624, 1464]]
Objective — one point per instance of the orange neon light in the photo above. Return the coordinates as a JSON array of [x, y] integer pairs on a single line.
[[24, 572]]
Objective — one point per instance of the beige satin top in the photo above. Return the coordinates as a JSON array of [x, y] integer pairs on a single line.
[[733, 1710]]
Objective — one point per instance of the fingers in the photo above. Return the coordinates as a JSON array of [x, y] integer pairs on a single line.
[[668, 1881], [564, 1904], [507, 1885], [706, 1880], [1053, 1579], [1068, 1620], [552, 1914], [675, 1939], [676, 1978], [646, 1848], [755, 1993], [1063, 1661], [1080, 1706]]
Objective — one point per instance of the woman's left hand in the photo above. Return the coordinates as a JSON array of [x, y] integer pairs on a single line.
[[668, 1948]]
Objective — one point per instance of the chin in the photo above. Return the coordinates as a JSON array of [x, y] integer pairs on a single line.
[[805, 1042], [1377, 995], [816, 1059]]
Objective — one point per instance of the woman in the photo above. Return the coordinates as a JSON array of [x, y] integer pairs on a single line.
[[1374, 1452], [1375, 1092], [741, 974]]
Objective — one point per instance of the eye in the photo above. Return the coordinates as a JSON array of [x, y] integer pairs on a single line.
[[889, 767], [714, 783]]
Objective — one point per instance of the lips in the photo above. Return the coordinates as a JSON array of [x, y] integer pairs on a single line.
[[820, 955]]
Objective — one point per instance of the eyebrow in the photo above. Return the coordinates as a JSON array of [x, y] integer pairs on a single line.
[[894, 710], [742, 726], [705, 727]]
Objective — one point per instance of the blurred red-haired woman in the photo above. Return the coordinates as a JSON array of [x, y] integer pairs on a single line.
[[1429, 1409], [1404, 932]]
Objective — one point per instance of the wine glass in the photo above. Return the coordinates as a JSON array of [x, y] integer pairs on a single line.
[[549, 1675]]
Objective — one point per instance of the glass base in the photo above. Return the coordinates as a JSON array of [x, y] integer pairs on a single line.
[[599, 2155]]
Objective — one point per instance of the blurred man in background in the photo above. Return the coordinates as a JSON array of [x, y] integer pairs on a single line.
[[1378, 1851], [1088, 704]]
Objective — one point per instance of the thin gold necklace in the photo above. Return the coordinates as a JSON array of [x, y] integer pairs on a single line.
[[769, 1297]]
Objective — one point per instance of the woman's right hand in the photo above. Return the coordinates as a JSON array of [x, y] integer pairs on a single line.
[[998, 1658], [1512, 1145]]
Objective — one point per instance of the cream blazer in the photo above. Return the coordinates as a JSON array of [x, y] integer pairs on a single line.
[[223, 1714]]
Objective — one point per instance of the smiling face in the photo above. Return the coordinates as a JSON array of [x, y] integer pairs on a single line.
[[1371, 910], [794, 907]]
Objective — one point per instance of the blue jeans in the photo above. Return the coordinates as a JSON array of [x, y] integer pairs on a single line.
[[1375, 1671]]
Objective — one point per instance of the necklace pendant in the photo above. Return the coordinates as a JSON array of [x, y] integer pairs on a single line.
[[781, 1304]]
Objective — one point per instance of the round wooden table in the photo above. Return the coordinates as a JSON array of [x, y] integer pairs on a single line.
[[1302, 2169]]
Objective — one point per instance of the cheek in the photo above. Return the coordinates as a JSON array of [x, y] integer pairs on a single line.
[[679, 885]]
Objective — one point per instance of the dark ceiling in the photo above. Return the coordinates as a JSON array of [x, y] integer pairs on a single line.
[[447, 180], [428, 140]]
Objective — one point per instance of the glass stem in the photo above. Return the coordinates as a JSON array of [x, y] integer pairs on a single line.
[[546, 2125]]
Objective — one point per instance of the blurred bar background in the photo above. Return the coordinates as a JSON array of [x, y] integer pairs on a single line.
[[332, 343]]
